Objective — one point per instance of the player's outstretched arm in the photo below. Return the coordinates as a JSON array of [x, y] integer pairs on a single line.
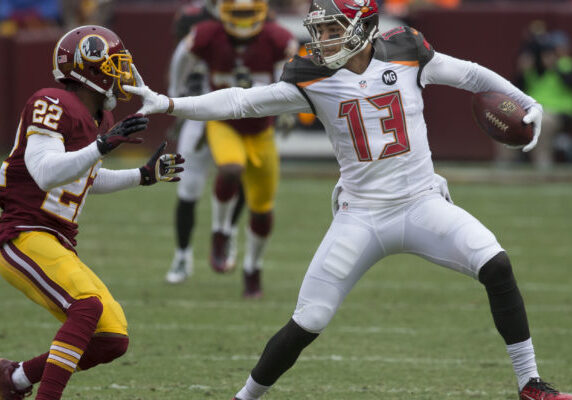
[[231, 103], [164, 168], [50, 165]]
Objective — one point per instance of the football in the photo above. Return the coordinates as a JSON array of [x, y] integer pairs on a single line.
[[500, 117]]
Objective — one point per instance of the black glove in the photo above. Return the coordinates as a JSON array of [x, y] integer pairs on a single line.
[[161, 167], [120, 132]]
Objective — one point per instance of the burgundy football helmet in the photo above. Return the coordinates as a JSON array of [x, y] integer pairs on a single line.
[[95, 57], [359, 20]]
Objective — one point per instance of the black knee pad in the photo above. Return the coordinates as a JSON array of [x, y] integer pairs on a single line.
[[507, 305], [497, 273]]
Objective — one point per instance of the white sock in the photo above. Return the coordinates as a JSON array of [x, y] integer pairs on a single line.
[[19, 378], [222, 214], [523, 361], [252, 390], [255, 246], [184, 254]]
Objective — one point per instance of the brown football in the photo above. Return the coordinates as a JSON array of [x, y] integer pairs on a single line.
[[500, 117]]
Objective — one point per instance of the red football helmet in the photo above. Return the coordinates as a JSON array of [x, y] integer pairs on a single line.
[[95, 57], [359, 20]]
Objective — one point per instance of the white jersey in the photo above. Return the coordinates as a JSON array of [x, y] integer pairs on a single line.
[[374, 120], [376, 126]]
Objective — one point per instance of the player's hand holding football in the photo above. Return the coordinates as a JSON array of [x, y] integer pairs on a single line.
[[121, 131], [153, 102], [163, 168], [534, 117]]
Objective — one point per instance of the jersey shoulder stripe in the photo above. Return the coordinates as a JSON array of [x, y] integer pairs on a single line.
[[403, 45], [302, 72]]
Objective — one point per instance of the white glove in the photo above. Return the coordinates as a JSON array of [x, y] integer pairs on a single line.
[[443, 187], [534, 117], [285, 123], [153, 103]]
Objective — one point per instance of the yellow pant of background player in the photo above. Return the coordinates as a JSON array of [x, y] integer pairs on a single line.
[[258, 156], [53, 277]]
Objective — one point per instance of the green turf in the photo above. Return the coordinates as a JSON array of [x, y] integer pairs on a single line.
[[409, 330]]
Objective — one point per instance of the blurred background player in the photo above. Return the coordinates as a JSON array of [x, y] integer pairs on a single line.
[[544, 71], [56, 160], [188, 76], [242, 49]]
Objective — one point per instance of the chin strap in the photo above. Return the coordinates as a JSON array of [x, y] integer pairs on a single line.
[[110, 102]]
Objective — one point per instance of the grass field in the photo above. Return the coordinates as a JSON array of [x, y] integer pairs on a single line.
[[409, 330]]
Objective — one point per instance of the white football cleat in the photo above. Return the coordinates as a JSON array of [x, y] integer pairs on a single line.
[[181, 267]]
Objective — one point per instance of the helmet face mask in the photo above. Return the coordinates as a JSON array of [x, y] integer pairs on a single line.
[[243, 19], [118, 66], [356, 20], [95, 57]]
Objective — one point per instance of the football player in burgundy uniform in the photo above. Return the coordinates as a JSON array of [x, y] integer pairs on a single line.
[[56, 161], [366, 89], [188, 76], [241, 49]]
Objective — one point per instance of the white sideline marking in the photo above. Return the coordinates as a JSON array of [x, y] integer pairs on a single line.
[[199, 387], [365, 388], [465, 363]]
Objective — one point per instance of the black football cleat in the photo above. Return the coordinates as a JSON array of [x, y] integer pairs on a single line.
[[7, 389], [537, 389], [252, 285]]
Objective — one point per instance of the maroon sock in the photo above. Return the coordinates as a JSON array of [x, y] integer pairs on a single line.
[[34, 368], [100, 350], [68, 346]]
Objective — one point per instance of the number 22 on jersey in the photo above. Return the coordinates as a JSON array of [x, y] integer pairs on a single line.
[[393, 124]]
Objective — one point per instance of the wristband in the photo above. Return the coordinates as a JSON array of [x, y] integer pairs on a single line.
[[171, 106]]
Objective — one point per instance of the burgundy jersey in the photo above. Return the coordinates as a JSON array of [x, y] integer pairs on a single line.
[[230, 60], [60, 114]]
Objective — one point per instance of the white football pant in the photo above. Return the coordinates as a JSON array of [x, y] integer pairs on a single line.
[[197, 161], [427, 225]]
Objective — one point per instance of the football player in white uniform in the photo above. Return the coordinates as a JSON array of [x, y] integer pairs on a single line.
[[366, 89]]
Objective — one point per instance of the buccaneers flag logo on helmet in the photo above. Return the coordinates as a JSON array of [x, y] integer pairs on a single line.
[[351, 7]]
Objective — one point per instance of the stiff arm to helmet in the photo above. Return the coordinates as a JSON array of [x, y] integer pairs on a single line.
[[231, 103]]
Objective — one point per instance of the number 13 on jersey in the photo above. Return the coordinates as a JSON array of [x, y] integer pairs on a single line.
[[393, 124]]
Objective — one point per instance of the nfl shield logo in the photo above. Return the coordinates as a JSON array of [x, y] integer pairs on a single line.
[[363, 84]]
